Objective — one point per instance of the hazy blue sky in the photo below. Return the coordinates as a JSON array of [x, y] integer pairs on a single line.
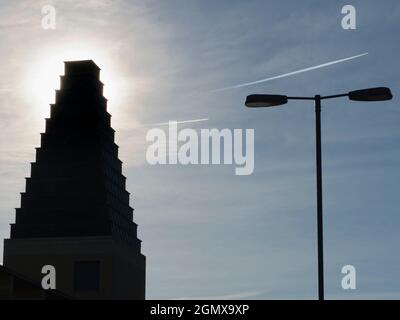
[[206, 232]]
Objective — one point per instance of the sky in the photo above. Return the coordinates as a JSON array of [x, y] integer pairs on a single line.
[[206, 232]]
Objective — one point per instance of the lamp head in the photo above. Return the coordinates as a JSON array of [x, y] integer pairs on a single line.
[[265, 100], [372, 94]]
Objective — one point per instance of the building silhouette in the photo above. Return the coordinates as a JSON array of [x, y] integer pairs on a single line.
[[75, 213]]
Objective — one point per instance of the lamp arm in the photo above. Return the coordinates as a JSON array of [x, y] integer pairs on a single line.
[[301, 98], [335, 96], [322, 98]]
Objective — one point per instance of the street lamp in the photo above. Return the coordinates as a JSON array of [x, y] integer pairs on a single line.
[[266, 100]]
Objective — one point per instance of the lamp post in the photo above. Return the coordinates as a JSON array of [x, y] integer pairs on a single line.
[[266, 100]]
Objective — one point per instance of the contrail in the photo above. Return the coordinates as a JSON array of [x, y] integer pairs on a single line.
[[292, 73], [179, 122]]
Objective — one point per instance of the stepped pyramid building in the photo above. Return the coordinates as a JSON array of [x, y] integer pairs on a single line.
[[75, 213]]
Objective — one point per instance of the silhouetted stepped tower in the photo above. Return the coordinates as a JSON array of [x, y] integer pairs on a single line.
[[75, 212]]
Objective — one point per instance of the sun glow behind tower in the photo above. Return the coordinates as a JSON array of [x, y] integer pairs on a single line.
[[43, 78]]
